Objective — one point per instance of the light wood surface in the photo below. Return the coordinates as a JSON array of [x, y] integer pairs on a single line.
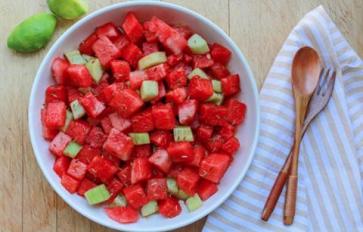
[[27, 202]]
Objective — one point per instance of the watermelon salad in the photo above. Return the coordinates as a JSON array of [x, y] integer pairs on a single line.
[[142, 118]]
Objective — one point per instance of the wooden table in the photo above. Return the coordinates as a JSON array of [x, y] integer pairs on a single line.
[[27, 202]]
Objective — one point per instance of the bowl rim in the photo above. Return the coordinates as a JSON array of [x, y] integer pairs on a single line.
[[74, 27]]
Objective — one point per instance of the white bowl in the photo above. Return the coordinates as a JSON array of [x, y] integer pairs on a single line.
[[171, 13]]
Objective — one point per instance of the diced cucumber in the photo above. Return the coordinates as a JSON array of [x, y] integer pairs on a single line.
[[72, 149], [95, 69], [197, 44], [88, 58], [152, 59], [149, 208], [97, 194], [140, 138], [217, 86], [183, 133], [69, 118], [149, 90], [181, 195], [75, 57], [172, 186], [120, 200], [198, 72], [77, 109], [194, 202], [216, 98]]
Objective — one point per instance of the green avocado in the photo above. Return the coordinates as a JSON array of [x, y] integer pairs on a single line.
[[68, 9], [33, 33]]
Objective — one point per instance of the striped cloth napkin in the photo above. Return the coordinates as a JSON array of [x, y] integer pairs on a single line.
[[331, 156]]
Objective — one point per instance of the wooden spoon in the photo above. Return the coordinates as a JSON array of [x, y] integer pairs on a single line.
[[305, 75]]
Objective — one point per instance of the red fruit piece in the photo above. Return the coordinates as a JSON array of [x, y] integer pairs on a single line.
[[214, 166], [231, 146], [106, 94], [102, 168], [173, 60], [148, 48], [200, 89], [118, 144], [187, 181], [220, 54], [96, 137], [61, 165], [55, 115], [202, 61], [236, 112], [204, 132], [126, 102], [125, 175], [219, 71], [119, 122], [69, 183], [109, 30], [142, 151], [86, 184], [181, 152], [105, 50], [157, 72], [161, 138], [86, 45], [156, 189], [143, 122], [135, 196], [199, 154], [79, 75], [230, 85], [92, 105], [213, 115], [87, 153], [184, 31], [215, 143], [78, 130], [131, 53], [55, 93], [187, 111], [161, 160], [59, 70], [73, 94], [226, 131], [136, 78], [132, 27], [120, 70], [140, 170], [206, 189], [176, 78], [161, 92], [49, 133], [163, 117], [169, 207], [177, 96], [121, 42], [114, 187], [106, 125], [123, 214], [59, 143], [77, 169]]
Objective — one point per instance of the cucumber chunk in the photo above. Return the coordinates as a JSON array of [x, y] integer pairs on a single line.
[[152, 59], [216, 98], [97, 194], [183, 133], [95, 69], [194, 202], [198, 72], [75, 57], [197, 44], [87, 57], [120, 200], [69, 118], [181, 195], [217, 86], [72, 149], [149, 208], [149, 90], [77, 109], [172, 186], [140, 138]]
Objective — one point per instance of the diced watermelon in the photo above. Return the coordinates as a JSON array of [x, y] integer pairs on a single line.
[[175, 170], [161, 160], [150, 31], [200, 89], [161, 93], [55, 93], [187, 181], [118, 144], [181, 152], [177, 96], [187, 111], [231, 146], [121, 42], [142, 122], [73, 94], [55, 115], [96, 137], [126, 102], [131, 53], [77, 169], [163, 117], [140, 170], [107, 93], [169, 207], [149, 47], [59, 70], [69, 183], [157, 72], [236, 112], [61, 165], [176, 78], [219, 71], [87, 153], [184, 31], [102, 168], [142, 150], [156, 189], [59, 143], [86, 184], [204, 132], [226, 131], [92, 105], [215, 143], [135, 196], [49, 133], [173, 60], [214, 166], [113, 159], [106, 125], [161, 138], [132, 27], [202, 61], [220, 54], [213, 115], [114, 187], [109, 30], [125, 175], [206, 189], [86, 45], [199, 154], [79, 75], [119, 122], [78, 130], [123, 214], [105, 50], [136, 78], [120, 70], [230, 85]]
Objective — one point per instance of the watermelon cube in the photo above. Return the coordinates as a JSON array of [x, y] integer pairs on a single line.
[[114, 187], [176, 78], [160, 159], [118, 144], [156, 189], [177, 96], [206, 189], [226, 131], [61, 165], [49, 133], [102, 168], [231, 146], [86, 184], [204, 132], [140, 170], [219, 71], [236, 112], [55, 93], [199, 154], [135, 196], [161, 138], [142, 122], [136, 79], [120, 70], [213, 115], [85, 46], [220, 54], [126, 102], [55, 115], [187, 111], [119, 122], [132, 27], [78, 130], [79, 75], [215, 143], [87, 153], [157, 72], [169, 207], [180, 152], [121, 42], [109, 30], [161, 93], [123, 214], [142, 150], [59, 143], [173, 60], [214, 166], [163, 117], [230, 85], [59, 70], [69, 183], [124, 175], [202, 61], [105, 50], [187, 181], [96, 137], [149, 47], [200, 89], [77, 169], [131, 53], [106, 125], [92, 105]]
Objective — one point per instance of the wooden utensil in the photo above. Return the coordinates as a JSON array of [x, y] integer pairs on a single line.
[[305, 76], [318, 102]]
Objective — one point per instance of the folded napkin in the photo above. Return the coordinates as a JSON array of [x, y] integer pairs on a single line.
[[331, 155]]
